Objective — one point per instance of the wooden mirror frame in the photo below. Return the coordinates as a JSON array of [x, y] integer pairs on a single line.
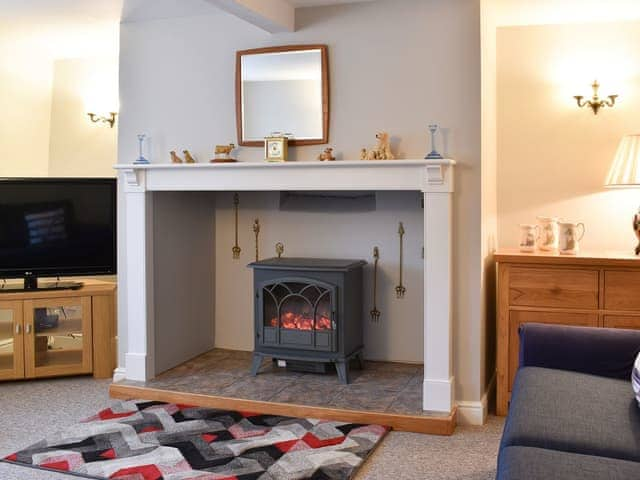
[[325, 93]]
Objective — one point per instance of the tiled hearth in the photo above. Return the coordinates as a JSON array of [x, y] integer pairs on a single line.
[[381, 386]]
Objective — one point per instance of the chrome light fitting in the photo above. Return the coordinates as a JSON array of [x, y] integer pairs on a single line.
[[596, 103]]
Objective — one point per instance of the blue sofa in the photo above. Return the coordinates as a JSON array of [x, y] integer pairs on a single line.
[[573, 414]]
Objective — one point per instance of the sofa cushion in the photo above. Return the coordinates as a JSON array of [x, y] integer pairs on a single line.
[[528, 463], [573, 412]]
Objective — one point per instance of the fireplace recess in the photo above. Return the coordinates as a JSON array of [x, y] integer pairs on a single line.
[[308, 312]]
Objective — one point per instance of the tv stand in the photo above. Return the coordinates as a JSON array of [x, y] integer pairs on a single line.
[[55, 333], [31, 285]]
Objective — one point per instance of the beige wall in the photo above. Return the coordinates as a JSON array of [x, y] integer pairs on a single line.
[[394, 65], [25, 100], [552, 156], [77, 146], [33, 108]]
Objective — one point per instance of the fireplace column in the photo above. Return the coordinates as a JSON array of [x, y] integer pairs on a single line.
[[138, 272], [438, 385]]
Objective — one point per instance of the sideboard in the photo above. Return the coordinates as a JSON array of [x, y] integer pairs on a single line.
[[588, 289]]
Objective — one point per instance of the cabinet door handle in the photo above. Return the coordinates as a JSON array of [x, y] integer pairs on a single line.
[[18, 329], [28, 329]]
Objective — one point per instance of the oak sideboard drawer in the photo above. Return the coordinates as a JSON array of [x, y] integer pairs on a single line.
[[622, 321], [516, 318], [621, 290], [547, 287]]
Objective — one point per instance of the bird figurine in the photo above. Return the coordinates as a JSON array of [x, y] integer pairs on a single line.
[[174, 157], [187, 157]]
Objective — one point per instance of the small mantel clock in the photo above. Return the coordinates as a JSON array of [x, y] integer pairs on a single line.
[[276, 148]]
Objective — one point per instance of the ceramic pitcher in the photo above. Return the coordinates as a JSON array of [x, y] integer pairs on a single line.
[[528, 235], [547, 233], [570, 236]]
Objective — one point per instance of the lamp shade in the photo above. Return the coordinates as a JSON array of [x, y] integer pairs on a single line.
[[625, 170]]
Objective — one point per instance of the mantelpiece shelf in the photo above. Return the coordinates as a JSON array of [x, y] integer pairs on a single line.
[[286, 165], [418, 175]]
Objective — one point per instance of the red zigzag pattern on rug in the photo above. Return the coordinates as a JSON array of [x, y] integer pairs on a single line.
[[140, 440]]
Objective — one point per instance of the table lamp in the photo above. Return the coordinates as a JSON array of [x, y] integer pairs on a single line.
[[625, 172]]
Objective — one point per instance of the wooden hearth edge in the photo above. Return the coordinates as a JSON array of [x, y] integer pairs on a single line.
[[435, 425]]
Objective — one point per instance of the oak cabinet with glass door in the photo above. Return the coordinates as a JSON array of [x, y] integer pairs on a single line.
[[45, 335]]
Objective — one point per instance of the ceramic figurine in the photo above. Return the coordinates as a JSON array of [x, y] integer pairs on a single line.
[[326, 155], [174, 157], [187, 157], [382, 150], [636, 228], [222, 153]]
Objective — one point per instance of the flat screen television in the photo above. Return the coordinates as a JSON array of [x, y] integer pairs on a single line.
[[54, 227]]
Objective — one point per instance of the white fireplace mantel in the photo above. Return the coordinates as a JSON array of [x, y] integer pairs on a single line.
[[420, 175], [434, 178]]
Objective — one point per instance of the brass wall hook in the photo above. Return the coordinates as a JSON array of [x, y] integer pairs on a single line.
[[256, 231], [400, 288], [375, 313], [236, 248]]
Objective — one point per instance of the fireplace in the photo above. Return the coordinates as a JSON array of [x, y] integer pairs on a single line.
[[308, 313]]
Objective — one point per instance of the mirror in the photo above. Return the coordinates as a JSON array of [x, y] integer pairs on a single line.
[[283, 89]]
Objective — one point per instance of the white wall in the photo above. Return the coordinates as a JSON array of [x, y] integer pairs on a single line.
[[393, 65], [552, 156]]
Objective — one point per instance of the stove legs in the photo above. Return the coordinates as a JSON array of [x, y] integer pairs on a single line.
[[342, 367], [255, 364], [359, 361]]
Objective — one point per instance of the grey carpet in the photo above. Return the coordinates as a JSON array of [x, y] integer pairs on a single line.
[[31, 410]]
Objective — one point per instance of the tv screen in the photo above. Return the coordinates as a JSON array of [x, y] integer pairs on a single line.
[[57, 227]]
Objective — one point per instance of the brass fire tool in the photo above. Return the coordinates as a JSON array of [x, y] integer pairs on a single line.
[[375, 313], [236, 248], [279, 249], [256, 230], [400, 289]]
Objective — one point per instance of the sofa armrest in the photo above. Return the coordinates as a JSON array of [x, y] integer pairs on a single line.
[[606, 352]]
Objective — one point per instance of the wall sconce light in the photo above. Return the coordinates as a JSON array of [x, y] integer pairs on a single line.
[[111, 119], [596, 103]]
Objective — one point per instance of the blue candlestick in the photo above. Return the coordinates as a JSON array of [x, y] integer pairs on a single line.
[[433, 154], [141, 159]]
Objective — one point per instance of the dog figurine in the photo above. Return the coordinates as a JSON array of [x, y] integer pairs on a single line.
[[327, 154], [382, 150]]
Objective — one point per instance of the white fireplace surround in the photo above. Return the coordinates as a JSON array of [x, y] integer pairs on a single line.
[[434, 178]]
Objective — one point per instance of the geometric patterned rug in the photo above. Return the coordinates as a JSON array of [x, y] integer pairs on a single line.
[[140, 440]]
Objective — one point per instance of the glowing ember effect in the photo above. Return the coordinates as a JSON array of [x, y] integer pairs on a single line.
[[296, 321]]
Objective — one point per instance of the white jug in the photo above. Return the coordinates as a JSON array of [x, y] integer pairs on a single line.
[[528, 235], [548, 233], [570, 236]]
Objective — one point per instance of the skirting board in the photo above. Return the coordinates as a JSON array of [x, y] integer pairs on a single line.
[[119, 374], [475, 413], [435, 425]]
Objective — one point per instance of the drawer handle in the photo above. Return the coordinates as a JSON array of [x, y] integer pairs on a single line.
[[28, 329], [18, 329]]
